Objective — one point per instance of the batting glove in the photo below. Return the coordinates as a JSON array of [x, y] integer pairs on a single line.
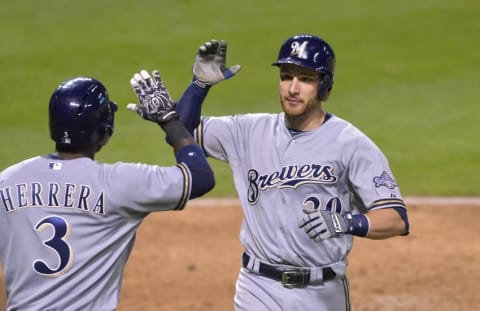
[[322, 224], [155, 102], [210, 64]]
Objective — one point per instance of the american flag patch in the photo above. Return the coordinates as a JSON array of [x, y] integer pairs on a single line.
[[55, 166]]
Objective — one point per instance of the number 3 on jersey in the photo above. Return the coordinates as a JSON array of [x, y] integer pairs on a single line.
[[57, 243]]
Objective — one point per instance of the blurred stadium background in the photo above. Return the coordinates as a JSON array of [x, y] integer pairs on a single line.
[[407, 73]]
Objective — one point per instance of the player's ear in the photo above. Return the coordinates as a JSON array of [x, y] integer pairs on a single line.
[[324, 87], [104, 135], [325, 95]]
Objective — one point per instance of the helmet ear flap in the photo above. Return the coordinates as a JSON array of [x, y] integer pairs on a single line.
[[106, 130], [324, 87]]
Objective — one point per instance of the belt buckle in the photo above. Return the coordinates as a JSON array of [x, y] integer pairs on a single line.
[[293, 278]]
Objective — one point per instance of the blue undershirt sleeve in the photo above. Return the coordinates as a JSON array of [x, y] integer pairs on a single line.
[[189, 106], [203, 179], [403, 213]]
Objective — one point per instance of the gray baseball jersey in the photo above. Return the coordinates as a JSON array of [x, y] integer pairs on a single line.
[[67, 227], [276, 174]]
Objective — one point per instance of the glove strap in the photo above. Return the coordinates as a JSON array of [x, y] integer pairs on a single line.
[[200, 84], [358, 225]]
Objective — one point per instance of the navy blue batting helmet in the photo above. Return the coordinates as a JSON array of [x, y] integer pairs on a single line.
[[311, 52], [80, 112]]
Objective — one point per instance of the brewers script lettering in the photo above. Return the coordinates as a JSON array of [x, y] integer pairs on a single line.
[[290, 176]]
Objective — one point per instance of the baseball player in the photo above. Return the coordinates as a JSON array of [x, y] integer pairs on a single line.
[[308, 181], [67, 222]]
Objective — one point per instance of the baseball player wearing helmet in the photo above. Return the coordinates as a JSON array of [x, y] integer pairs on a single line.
[[68, 222], [308, 181]]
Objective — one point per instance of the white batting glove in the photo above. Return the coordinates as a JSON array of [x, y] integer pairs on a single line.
[[322, 224], [210, 64], [155, 102]]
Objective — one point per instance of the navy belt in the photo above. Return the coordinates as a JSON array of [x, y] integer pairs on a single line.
[[289, 277]]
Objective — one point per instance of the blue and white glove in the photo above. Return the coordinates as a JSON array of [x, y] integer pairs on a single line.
[[323, 224], [210, 64], [155, 102]]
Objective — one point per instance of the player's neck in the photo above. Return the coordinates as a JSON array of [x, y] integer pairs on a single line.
[[306, 122], [83, 152], [72, 156]]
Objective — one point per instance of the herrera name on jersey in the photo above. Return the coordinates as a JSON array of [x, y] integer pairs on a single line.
[[35, 194]]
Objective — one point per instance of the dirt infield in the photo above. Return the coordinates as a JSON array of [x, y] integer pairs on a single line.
[[189, 260]]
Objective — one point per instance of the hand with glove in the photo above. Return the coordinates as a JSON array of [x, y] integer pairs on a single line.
[[155, 102], [156, 105], [210, 64], [324, 224]]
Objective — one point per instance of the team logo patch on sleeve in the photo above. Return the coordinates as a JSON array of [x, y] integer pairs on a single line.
[[385, 180]]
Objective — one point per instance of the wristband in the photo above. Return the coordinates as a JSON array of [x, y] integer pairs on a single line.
[[358, 225]]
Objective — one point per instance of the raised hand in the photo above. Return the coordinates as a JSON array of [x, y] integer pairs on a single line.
[[210, 64], [155, 102]]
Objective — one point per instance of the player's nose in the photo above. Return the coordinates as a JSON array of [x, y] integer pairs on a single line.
[[293, 87]]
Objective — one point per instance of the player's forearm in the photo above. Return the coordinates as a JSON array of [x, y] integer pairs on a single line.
[[385, 223], [177, 135], [189, 106]]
